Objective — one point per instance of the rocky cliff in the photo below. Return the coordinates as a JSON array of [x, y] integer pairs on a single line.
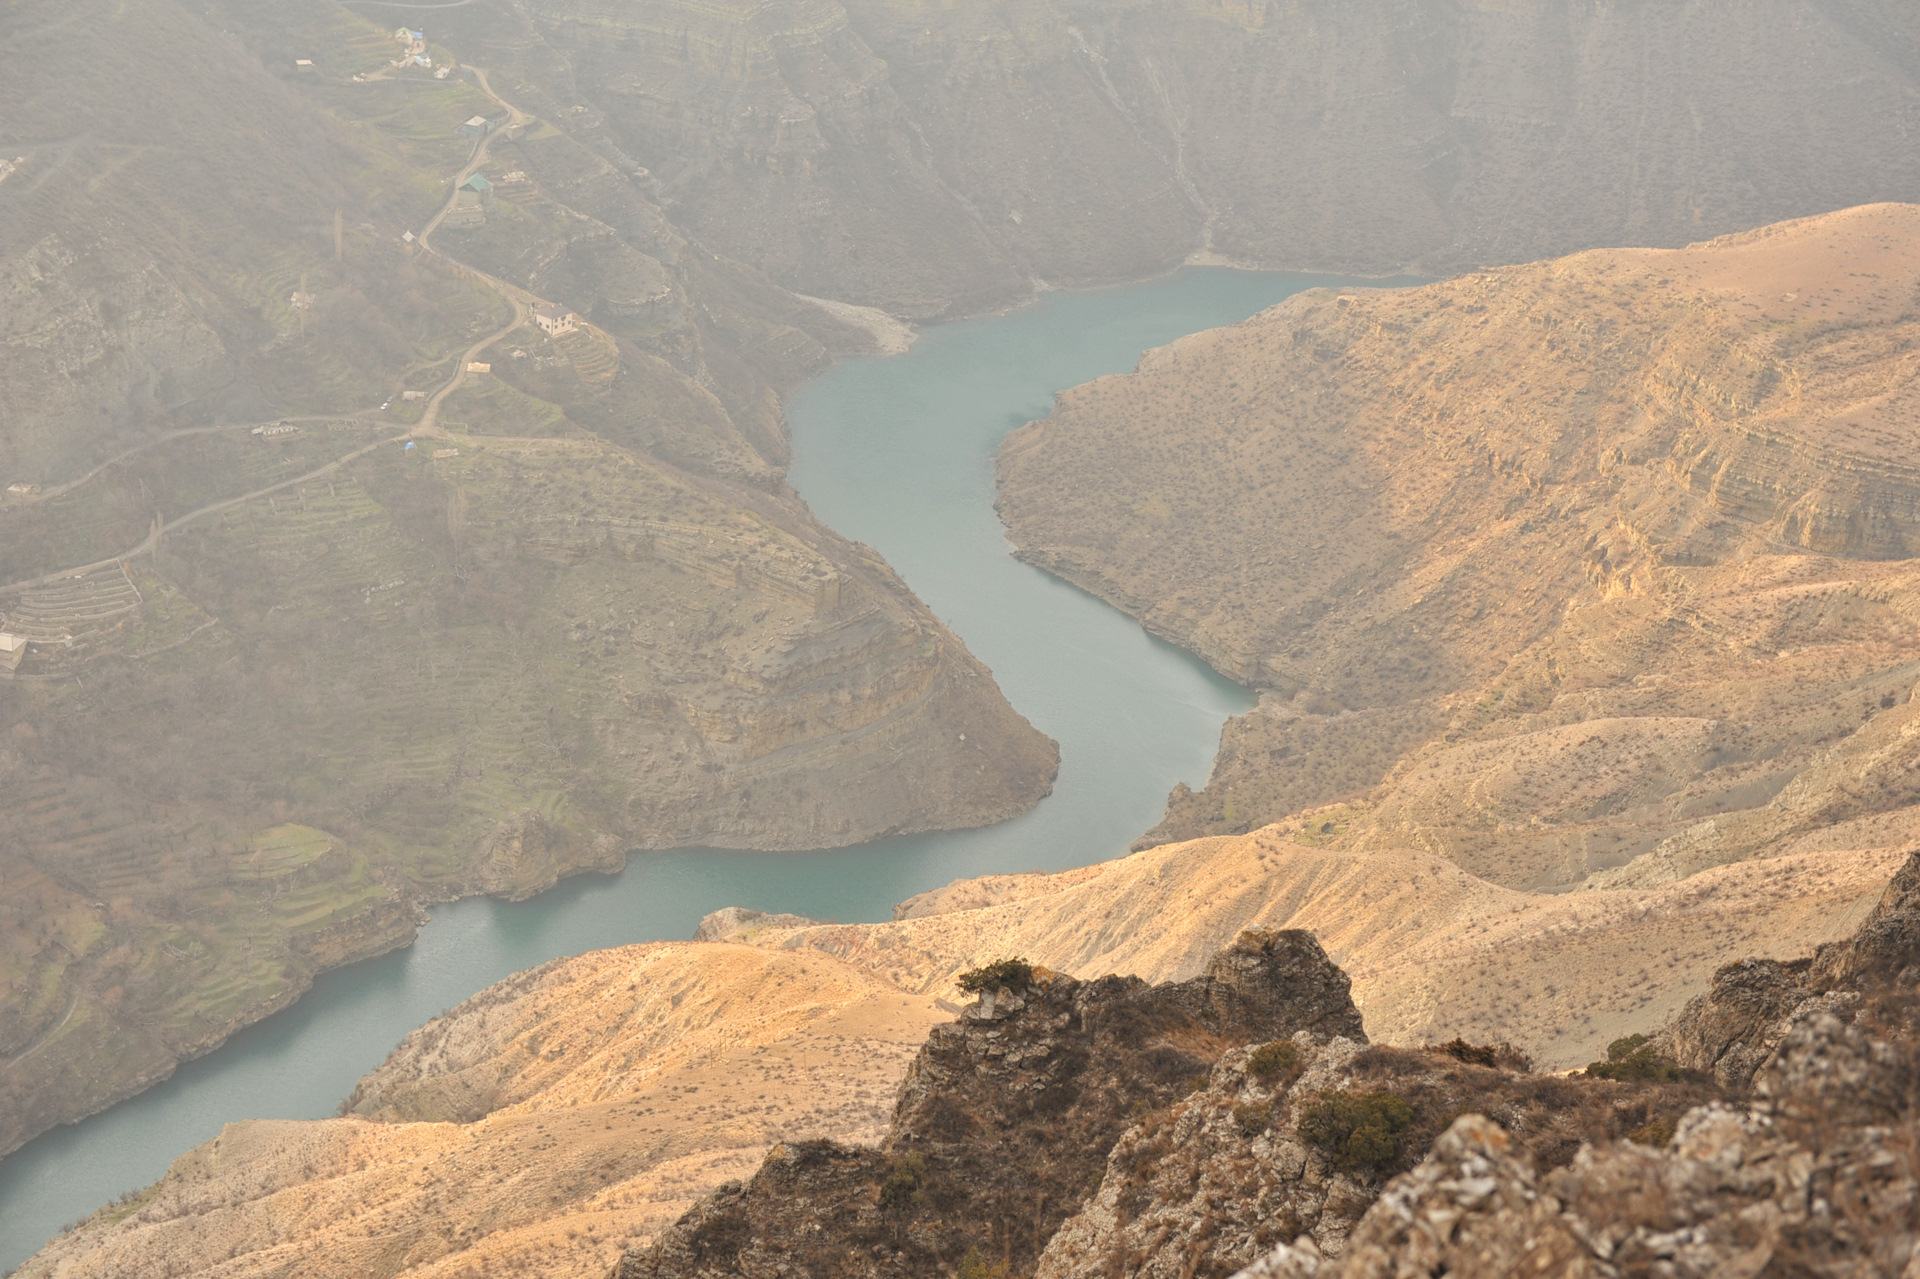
[[1813, 1175], [1003, 1119], [1591, 571]]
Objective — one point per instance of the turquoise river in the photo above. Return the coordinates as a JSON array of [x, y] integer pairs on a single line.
[[895, 452]]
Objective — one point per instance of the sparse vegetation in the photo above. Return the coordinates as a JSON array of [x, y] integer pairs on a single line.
[[1634, 1059], [1276, 1064], [904, 1184], [1358, 1132], [974, 1266], [1013, 974], [1496, 1056]]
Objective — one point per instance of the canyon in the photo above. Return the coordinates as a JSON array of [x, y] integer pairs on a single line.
[[1577, 593]]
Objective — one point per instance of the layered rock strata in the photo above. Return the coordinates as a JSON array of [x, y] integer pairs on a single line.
[[1594, 571]]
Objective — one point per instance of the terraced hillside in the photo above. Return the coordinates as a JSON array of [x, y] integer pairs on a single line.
[[1596, 571], [470, 631]]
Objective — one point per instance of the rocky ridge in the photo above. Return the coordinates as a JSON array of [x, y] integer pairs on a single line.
[[1002, 1120]]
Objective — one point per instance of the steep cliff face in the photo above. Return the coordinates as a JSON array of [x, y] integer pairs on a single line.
[[1560, 566], [935, 160]]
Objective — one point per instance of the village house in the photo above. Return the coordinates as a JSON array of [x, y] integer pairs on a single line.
[[13, 648], [415, 45], [554, 319]]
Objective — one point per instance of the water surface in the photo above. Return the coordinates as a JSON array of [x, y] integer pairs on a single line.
[[896, 453]]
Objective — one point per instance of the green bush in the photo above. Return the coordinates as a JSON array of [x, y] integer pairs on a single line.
[[1359, 1133], [1633, 1060], [1014, 974], [903, 1187], [1254, 1117], [1279, 1060]]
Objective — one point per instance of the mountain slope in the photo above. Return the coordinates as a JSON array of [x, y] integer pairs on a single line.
[[1589, 564], [294, 672], [936, 160]]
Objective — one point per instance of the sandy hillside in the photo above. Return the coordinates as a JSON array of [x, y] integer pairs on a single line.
[[556, 1117], [537, 1128], [1433, 951]]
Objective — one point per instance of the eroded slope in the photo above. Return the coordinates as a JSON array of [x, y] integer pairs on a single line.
[[536, 1129], [1591, 561]]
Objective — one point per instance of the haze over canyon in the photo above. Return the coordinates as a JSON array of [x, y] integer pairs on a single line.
[[399, 511]]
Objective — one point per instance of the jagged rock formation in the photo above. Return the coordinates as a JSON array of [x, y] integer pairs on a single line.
[[1589, 571], [1208, 1186], [1004, 1120], [1816, 1174]]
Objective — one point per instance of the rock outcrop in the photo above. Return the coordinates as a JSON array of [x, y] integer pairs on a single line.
[[1736, 1027], [1815, 1174], [1004, 1120], [1270, 1150]]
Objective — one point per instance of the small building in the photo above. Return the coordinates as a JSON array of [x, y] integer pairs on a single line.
[[443, 454], [413, 395], [304, 64], [478, 127], [13, 649], [302, 300], [479, 185], [469, 209], [554, 319], [23, 489], [479, 366]]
